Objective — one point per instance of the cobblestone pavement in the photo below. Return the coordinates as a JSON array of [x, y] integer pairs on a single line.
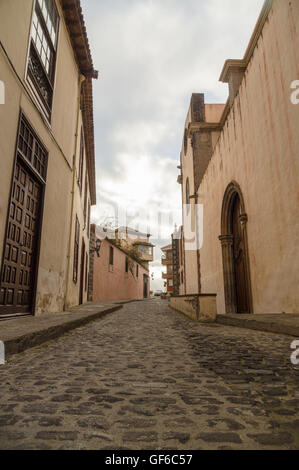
[[147, 377]]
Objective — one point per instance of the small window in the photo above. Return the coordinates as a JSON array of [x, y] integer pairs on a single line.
[[188, 195], [137, 270], [111, 253], [42, 53], [76, 251], [185, 141], [127, 264]]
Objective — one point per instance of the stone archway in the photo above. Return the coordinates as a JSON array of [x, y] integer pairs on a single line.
[[236, 271]]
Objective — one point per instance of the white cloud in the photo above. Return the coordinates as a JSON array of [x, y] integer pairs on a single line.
[[152, 54]]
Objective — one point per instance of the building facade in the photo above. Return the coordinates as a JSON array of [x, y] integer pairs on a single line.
[[116, 275], [167, 260], [137, 242], [240, 161], [47, 177], [178, 262]]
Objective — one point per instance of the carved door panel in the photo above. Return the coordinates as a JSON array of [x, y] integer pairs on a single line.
[[239, 260], [17, 281]]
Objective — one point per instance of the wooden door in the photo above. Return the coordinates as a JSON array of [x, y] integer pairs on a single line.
[[17, 281], [145, 286], [82, 269], [239, 260]]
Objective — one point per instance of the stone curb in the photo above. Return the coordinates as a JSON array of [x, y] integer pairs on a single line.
[[270, 327], [29, 340]]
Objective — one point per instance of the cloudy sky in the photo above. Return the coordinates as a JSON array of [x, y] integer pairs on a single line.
[[151, 56]]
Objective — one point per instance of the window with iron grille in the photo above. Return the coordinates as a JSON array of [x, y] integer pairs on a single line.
[[30, 149], [188, 195], [76, 251], [81, 160], [42, 53]]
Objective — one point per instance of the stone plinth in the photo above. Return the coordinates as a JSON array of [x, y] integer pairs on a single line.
[[200, 307]]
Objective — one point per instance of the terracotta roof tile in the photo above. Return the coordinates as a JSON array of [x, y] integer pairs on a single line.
[[74, 20]]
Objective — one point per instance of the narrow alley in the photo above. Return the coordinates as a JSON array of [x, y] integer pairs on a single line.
[[147, 377]]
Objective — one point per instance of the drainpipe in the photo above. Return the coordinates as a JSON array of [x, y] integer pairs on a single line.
[[80, 81]]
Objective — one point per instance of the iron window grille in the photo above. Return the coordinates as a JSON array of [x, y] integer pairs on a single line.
[[31, 150], [42, 53]]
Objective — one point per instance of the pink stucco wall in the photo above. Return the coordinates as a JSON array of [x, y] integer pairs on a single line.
[[112, 282], [258, 148]]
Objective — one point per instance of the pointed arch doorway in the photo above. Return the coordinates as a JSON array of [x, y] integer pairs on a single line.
[[236, 272]]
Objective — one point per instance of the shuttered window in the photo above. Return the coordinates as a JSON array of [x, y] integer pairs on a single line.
[[111, 253], [76, 251]]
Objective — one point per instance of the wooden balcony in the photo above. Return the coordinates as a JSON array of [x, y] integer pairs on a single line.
[[166, 276]]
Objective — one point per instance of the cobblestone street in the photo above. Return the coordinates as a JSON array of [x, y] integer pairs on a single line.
[[146, 377]]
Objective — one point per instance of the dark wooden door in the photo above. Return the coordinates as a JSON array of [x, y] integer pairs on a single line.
[[239, 259], [145, 286], [82, 269], [20, 252]]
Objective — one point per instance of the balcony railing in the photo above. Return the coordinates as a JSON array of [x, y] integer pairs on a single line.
[[166, 276]]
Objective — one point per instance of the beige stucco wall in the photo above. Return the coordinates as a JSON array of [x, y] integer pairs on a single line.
[[201, 308], [59, 139], [213, 112], [259, 148], [73, 288]]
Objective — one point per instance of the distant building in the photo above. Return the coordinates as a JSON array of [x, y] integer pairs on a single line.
[[177, 261], [115, 274], [47, 174], [139, 242], [167, 261]]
